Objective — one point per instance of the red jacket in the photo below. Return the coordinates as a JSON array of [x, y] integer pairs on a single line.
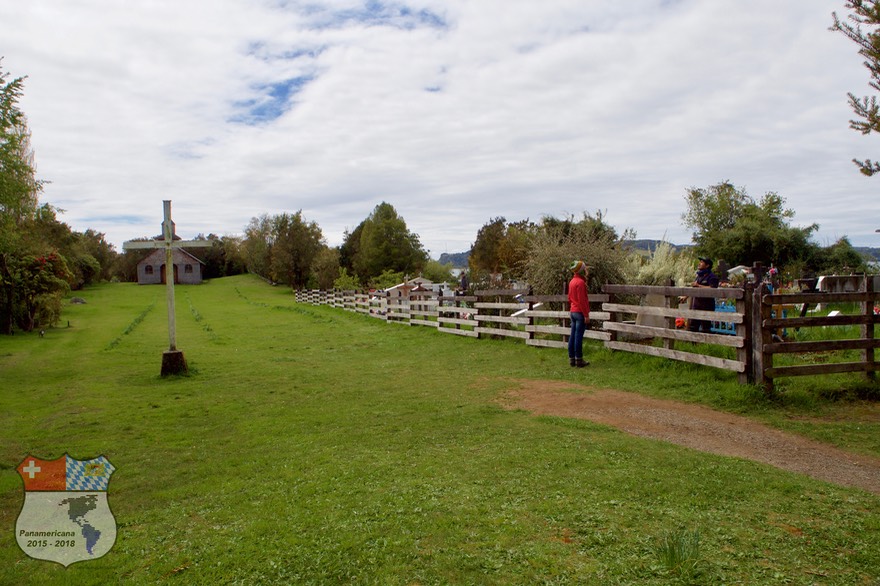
[[577, 296]]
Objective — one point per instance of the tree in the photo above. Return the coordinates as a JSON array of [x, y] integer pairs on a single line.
[[224, 258], [436, 272], [42, 281], [18, 197], [501, 247], [387, 279], [346, 282], [351, 245], [486, 250], [296, 244], [840, 259], [728, 224], [125, 267], [864, 13], [40, 256], [258, 245], [95, 244], [282, 248], [515, 246], [325, 268], [386, 244], [18, 185], [88, 255]]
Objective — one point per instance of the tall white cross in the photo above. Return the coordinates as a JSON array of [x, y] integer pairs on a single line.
[[167, 242]]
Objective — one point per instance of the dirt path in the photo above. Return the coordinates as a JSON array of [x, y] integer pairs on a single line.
[[699, 428]]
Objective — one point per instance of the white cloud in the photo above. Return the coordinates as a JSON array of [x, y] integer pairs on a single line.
[[454, 112]]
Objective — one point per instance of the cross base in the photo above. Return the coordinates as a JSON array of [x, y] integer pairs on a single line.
[[173, 362]]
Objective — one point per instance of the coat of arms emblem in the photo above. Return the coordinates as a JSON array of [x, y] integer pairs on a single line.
[[65, 517]]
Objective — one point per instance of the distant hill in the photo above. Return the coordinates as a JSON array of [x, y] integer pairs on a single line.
[[872, 252], [651, 245], [459, 260]]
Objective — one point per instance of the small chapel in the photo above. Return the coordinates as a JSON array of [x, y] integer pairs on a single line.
[[187, 268]]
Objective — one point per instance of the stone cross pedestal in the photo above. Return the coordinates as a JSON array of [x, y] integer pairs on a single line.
[[173, 361]]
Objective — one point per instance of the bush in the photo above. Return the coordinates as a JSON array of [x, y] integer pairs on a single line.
[[556, 244], [664, 263]]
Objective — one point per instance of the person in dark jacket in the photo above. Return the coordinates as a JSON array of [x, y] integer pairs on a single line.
[[579, 308], [704, 279]]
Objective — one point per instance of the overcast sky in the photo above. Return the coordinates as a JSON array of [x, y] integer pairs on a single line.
[[453, 111]]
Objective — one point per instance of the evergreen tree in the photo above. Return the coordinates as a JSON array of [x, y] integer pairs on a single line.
[[865, 13], [386, 244]]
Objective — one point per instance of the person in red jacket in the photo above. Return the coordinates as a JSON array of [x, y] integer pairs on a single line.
[[579, 306]]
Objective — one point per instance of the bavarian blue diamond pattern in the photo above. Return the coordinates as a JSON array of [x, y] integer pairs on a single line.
[[88, 474]]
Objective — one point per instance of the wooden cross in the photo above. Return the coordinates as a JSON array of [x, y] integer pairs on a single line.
[[168, 242]]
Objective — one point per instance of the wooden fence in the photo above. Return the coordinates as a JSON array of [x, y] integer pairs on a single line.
[[538, 320], [769, 320], [634, 326], [746, 332]]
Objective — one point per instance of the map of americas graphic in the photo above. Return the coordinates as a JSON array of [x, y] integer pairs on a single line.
[[77, 509]]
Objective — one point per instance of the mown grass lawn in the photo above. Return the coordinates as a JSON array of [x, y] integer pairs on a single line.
[[311, 445]]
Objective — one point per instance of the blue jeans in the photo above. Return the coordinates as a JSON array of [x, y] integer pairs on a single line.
[[576, 339]]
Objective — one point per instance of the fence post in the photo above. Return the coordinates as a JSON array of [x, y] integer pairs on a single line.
[[744, 330], [756, 333], [766, 336], [530, 327], [868, 328], [669, 322], [612, 317]]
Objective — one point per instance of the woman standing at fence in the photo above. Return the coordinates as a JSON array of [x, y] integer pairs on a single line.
[[579, 306]]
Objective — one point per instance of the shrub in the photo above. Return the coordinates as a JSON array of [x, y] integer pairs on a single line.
[[557, 243]]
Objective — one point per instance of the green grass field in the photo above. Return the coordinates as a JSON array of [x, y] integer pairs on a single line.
[[310, 445]]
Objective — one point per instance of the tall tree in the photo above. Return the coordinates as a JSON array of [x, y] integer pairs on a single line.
[[351, 246], [865, 13], [325, 268], [485, 254], [18, 195], [224, 258], [258, 243], [501, 248], [296, 244], [386, 244], [282, 248]]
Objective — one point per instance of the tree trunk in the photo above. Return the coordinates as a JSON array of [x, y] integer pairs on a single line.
[[7, 298]]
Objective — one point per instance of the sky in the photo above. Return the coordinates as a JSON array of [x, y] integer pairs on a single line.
[[453, 111]]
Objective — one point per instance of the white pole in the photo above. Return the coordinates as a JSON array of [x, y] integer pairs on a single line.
[[168, 234]]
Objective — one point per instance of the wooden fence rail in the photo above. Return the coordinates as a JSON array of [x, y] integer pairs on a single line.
[[655, 318], [538, 320], [642, 319], [767, 343]]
